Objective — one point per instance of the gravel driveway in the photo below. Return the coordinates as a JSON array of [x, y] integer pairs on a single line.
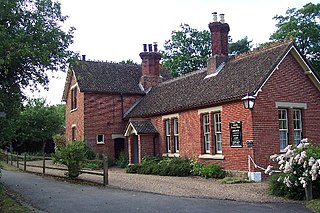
[[177, 186]]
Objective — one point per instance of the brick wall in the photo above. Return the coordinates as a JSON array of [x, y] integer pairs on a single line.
[[191, 139], [103, 115], [287, 84], [74, 117]]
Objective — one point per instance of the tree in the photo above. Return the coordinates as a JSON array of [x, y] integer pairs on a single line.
[[189, 49], [303, 26], [241, 46], [32, 43], [37, 123]]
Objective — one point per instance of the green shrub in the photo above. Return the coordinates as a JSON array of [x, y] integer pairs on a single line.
[[90, 154], [212, 171], [73, 156], [133, 168], [123, 160], [93, 164], [280, 189], [196, 168], [59, 141]]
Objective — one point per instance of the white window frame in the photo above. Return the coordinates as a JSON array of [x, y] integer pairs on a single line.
[[217, 132], [168, 136], [206, 132], [283, 128], [176, 135], [297, 126], [102, 141]]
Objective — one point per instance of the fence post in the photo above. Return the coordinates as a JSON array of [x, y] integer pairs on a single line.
[[308, 191], [44, 163], [17, 161], [7, 157], [11, 158], [25, 162], [105, 170]]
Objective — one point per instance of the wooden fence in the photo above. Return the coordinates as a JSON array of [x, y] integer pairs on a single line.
[[18, 160]]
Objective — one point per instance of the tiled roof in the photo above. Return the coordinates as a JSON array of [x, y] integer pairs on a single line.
[[108, 77], [243, 74], [144, 127]]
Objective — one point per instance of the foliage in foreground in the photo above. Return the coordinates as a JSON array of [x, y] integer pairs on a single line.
[[73, 156], [300, 169], [175, 167]]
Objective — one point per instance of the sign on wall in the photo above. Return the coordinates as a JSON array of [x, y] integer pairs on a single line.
[[236, 133]]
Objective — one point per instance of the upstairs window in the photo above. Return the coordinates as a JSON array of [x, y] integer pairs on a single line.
[[74, 98], [297, 126], [283, 128]]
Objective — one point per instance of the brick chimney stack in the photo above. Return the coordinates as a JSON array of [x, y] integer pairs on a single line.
[[219, 42], [150, 66]]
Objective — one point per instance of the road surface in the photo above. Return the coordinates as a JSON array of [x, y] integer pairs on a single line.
[[47, 194]]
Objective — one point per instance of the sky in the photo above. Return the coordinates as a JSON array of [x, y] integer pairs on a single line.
[[114, 30]]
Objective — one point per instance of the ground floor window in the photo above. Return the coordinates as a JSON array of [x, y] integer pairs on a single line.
[[167, 127], [73, 134], [297, 126], [100, 139], [211, 133], [217, 132], [283, 128], [176, 135]]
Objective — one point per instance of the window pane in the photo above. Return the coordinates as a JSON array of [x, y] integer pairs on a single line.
[[217, 132], [206, 133]]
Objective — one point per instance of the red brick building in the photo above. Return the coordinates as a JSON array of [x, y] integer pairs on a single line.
[[200, 115]]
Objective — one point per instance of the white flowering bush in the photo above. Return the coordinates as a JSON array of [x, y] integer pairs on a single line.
[[299, 165]]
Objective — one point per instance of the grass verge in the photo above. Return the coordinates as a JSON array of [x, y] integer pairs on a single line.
[[314, 205], [8, 204]]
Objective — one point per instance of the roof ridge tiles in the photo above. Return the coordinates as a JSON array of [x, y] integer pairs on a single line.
[[262, 49]]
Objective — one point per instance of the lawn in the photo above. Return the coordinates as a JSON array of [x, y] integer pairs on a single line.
[[314, 205]]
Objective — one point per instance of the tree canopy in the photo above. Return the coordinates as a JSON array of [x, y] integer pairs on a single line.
[[189, 49], [302, 25], [37, 123], [32, 42]]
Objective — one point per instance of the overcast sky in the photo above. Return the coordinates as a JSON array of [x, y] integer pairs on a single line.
[[115, 30]]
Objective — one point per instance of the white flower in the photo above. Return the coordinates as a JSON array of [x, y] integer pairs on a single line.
[[304, 140], [287, 148], [287, 167], [268, 170], [296, 158], [273, 157], [311, 161]]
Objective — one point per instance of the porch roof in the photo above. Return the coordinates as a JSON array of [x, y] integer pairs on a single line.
[[140, 127]]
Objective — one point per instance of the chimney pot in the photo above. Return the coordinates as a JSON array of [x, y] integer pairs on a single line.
[[144, 47], [215, 17], [155, 46], [150, 47], [222, 18], [83, 57]]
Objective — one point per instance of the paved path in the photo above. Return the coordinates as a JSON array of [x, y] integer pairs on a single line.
[[50, 195], [175, 186]]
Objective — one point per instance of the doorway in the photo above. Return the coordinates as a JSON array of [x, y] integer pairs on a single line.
[[118, 147]]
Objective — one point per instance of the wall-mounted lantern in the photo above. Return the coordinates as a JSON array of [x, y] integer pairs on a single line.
[[248, 101]]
